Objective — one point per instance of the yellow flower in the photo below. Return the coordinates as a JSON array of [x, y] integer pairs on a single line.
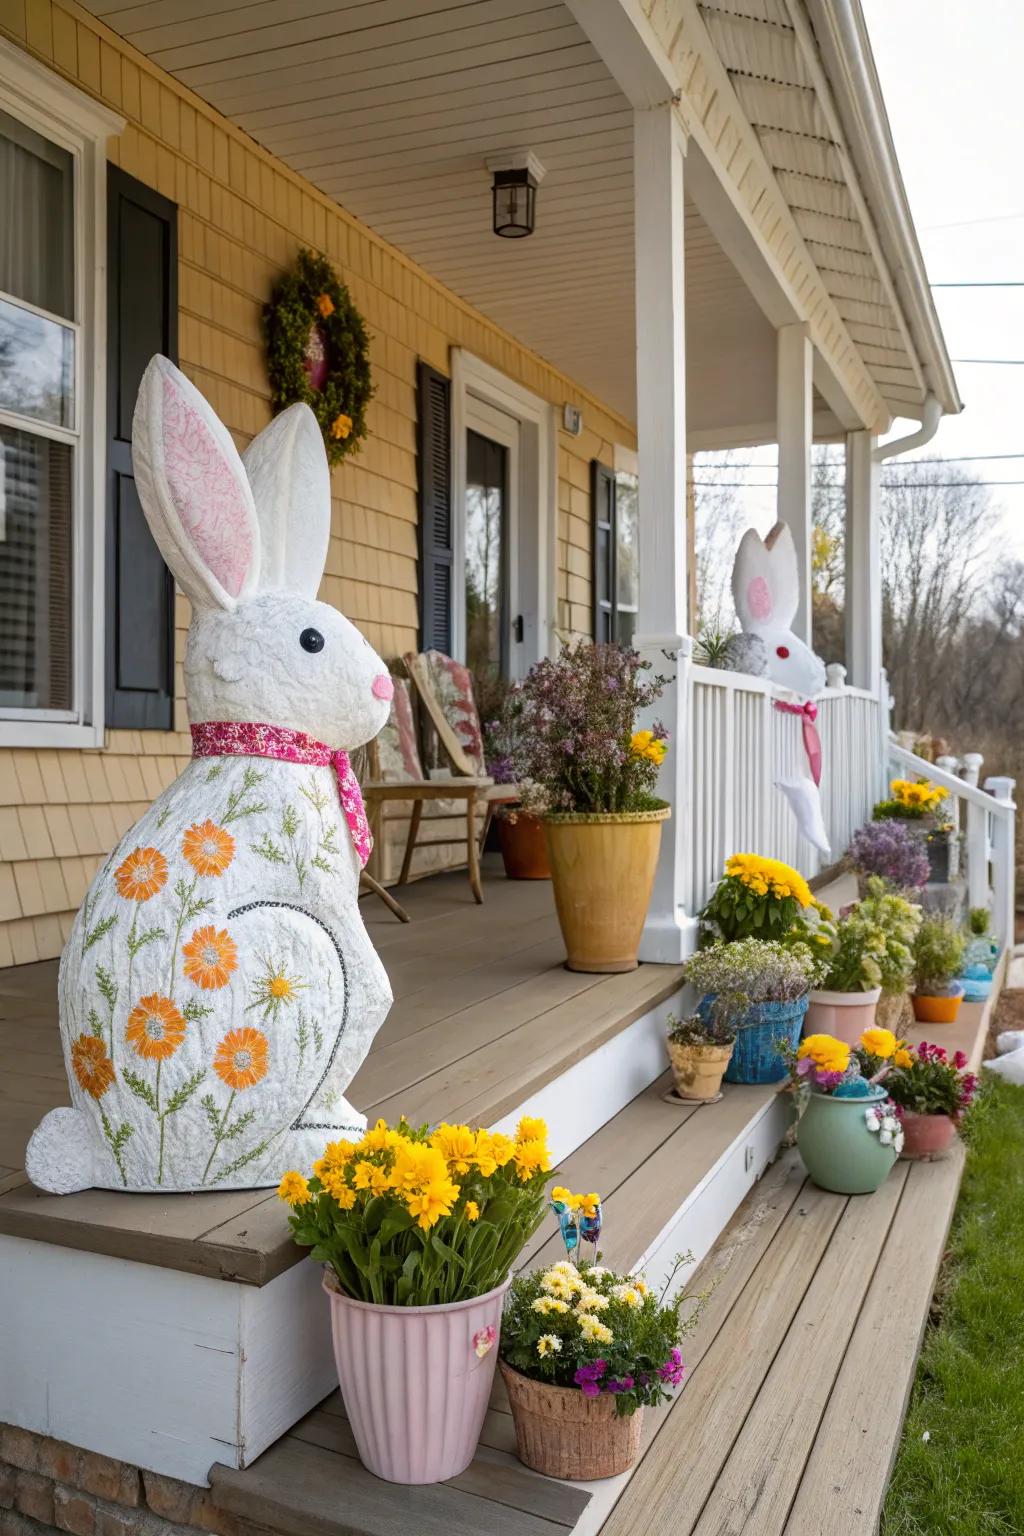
[[531, 1157], [335, 1185], [769, 877], [530, 1128], [562, 1195], [629, 1295], [548, 1344], [471, 1211], [457, 1144], [879, 1042], [827, 1053], [432, 1202], [336, 1156], [556, 1284], [592, 1301], [370, 1176], [341, 427], [589, 1204], [594, 1330], [546, 1305], [379, 1139], [293, 1188], [903, 1058], [416, 1165]]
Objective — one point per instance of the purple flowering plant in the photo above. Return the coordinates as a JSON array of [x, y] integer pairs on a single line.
[[578, 742], [889, 849], [590, 1328]]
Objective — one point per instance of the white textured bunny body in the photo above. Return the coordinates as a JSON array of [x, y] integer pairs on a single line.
[[219, 990]]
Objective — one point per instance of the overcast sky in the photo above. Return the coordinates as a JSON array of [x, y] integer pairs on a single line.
[[950, 74]]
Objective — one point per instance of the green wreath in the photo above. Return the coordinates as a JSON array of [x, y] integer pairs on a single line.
[[314, 297]]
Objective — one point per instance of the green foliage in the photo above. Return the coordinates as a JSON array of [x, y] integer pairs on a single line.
[[899, 920], [967, 1477], [140, 940], [181, 1095], [118, 1141], [95, 934], [141, 1089], [288, 320], [750, 971], [860, 954], [719, 1028], [713, 646], [602, 1332], [978, 921], [268, 849], [938, 954]]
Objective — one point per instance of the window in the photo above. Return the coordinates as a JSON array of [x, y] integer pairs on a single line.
[[616, 551], [51, 167]]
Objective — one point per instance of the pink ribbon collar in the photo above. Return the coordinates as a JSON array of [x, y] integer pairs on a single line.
[[808, 712], [229, 738]]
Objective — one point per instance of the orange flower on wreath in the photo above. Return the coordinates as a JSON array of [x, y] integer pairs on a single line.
[[155, 1028], [341, 427], [211, 955], [325, 304], [92, 1066], [241, 1058], [141, 874], [208, 848]]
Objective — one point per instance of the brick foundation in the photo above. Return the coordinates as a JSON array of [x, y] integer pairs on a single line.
[[47, 1485]]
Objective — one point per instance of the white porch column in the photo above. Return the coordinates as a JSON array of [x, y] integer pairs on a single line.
[[863, 563], [794, 430], [659, 150]]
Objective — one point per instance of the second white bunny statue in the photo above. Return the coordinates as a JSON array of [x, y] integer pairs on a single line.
[[766, 591], [218, 990]]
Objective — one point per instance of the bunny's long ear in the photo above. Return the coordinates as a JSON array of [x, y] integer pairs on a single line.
[[194, 490], [765, 582], [291, 484]]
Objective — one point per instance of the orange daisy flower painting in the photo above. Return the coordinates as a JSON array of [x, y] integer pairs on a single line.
[[141, 874], [155, 1028], [211, 955], [92, 1066], [241, 1058], [208, 848]]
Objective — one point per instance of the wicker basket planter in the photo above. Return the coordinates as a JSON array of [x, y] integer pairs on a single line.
[[562, 1433], [602, 867]]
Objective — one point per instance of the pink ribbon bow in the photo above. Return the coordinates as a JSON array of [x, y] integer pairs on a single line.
[[230, 738], [808, 712]]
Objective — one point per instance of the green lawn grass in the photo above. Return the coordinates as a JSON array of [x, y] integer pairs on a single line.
[[967, 1477]]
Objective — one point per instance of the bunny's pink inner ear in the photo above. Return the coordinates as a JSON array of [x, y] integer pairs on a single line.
[[206, 492], [759, 599]]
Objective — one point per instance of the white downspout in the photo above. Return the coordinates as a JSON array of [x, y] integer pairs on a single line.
[[931, 415]]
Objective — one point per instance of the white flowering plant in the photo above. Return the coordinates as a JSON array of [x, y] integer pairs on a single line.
[[590, 1328]]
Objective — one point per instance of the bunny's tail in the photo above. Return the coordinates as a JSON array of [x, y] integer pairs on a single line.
[[61, 1154]]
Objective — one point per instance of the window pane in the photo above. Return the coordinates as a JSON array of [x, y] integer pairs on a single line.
[[35, 572], [627, 583], [37, 229], [37, 366], [486, 477]]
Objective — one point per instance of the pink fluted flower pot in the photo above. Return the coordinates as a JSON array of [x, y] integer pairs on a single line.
[[416, 1381], [843, 1015]]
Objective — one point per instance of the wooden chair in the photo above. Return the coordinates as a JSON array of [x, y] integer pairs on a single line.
[[405, 781]]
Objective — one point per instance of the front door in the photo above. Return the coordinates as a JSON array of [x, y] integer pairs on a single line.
[[493, 628]]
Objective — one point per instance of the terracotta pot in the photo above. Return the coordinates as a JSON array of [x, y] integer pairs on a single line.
[[603, 869], [843, 1015], [416, 1381], [561, 1433], [937, 1010], [926, 1136], [697, 1069], [524, 846]]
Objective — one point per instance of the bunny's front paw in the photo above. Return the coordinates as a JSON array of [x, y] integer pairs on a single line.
[[61, 1156]]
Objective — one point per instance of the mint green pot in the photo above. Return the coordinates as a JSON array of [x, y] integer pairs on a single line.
[[838, 1150]]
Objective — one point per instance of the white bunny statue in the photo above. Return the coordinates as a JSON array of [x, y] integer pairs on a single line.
[[218, 990], [766, 591]]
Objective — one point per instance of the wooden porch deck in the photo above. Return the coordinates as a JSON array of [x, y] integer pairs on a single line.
[[485, 1018]]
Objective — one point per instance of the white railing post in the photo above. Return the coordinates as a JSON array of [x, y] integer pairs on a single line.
[[795, 433], [1003, 859], [863, 564], [977, 855], [659, 157], [971, 763]]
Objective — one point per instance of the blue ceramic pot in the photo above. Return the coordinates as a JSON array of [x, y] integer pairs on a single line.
[[755, 1056]]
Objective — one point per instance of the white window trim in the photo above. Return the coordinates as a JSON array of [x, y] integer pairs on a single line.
[[61, 112], [537, 491]]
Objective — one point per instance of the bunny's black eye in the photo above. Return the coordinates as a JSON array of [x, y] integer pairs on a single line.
[[311, 640]]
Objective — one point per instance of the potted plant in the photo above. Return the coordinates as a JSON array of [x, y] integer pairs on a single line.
[[419, 1230], [595, 775], [583, 1352], [933, 1095], [699, 1050], [980, 956], [844, 1002], [521, 835], [889, 850], [848, 1131], [763, 983], [756, 898], [938, 958], [920, 803], [899, 919]]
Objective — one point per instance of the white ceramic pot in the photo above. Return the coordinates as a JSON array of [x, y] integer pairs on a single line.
[[844, 1015]]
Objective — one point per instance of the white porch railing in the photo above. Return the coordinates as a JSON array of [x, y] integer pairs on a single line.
[[740, 745], [986, 818]]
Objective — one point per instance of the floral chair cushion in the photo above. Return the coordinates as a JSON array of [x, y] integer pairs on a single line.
[[453, 685], [397, 748]]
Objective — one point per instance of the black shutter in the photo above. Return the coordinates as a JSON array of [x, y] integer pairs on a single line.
[[142, 318], [603, 538], [434, 443]]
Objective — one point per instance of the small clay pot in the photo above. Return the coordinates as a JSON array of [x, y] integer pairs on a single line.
[[929, 1009], [697, 1070], [926, 1136], [524, 845]]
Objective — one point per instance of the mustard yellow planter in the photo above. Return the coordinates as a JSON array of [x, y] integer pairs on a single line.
[[602, 869]]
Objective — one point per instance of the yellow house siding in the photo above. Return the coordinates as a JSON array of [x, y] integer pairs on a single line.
[[242, 218]]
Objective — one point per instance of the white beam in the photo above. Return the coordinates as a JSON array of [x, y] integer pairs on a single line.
[[863, 564], [627, 43], [659, 149], [794, 430]]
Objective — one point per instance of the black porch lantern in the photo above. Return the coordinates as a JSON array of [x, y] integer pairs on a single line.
[[514, 197]]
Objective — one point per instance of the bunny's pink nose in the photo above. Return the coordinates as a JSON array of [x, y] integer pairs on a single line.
[[382, 687]]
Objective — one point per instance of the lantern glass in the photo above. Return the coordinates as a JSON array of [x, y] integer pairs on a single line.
[[514, 204]]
